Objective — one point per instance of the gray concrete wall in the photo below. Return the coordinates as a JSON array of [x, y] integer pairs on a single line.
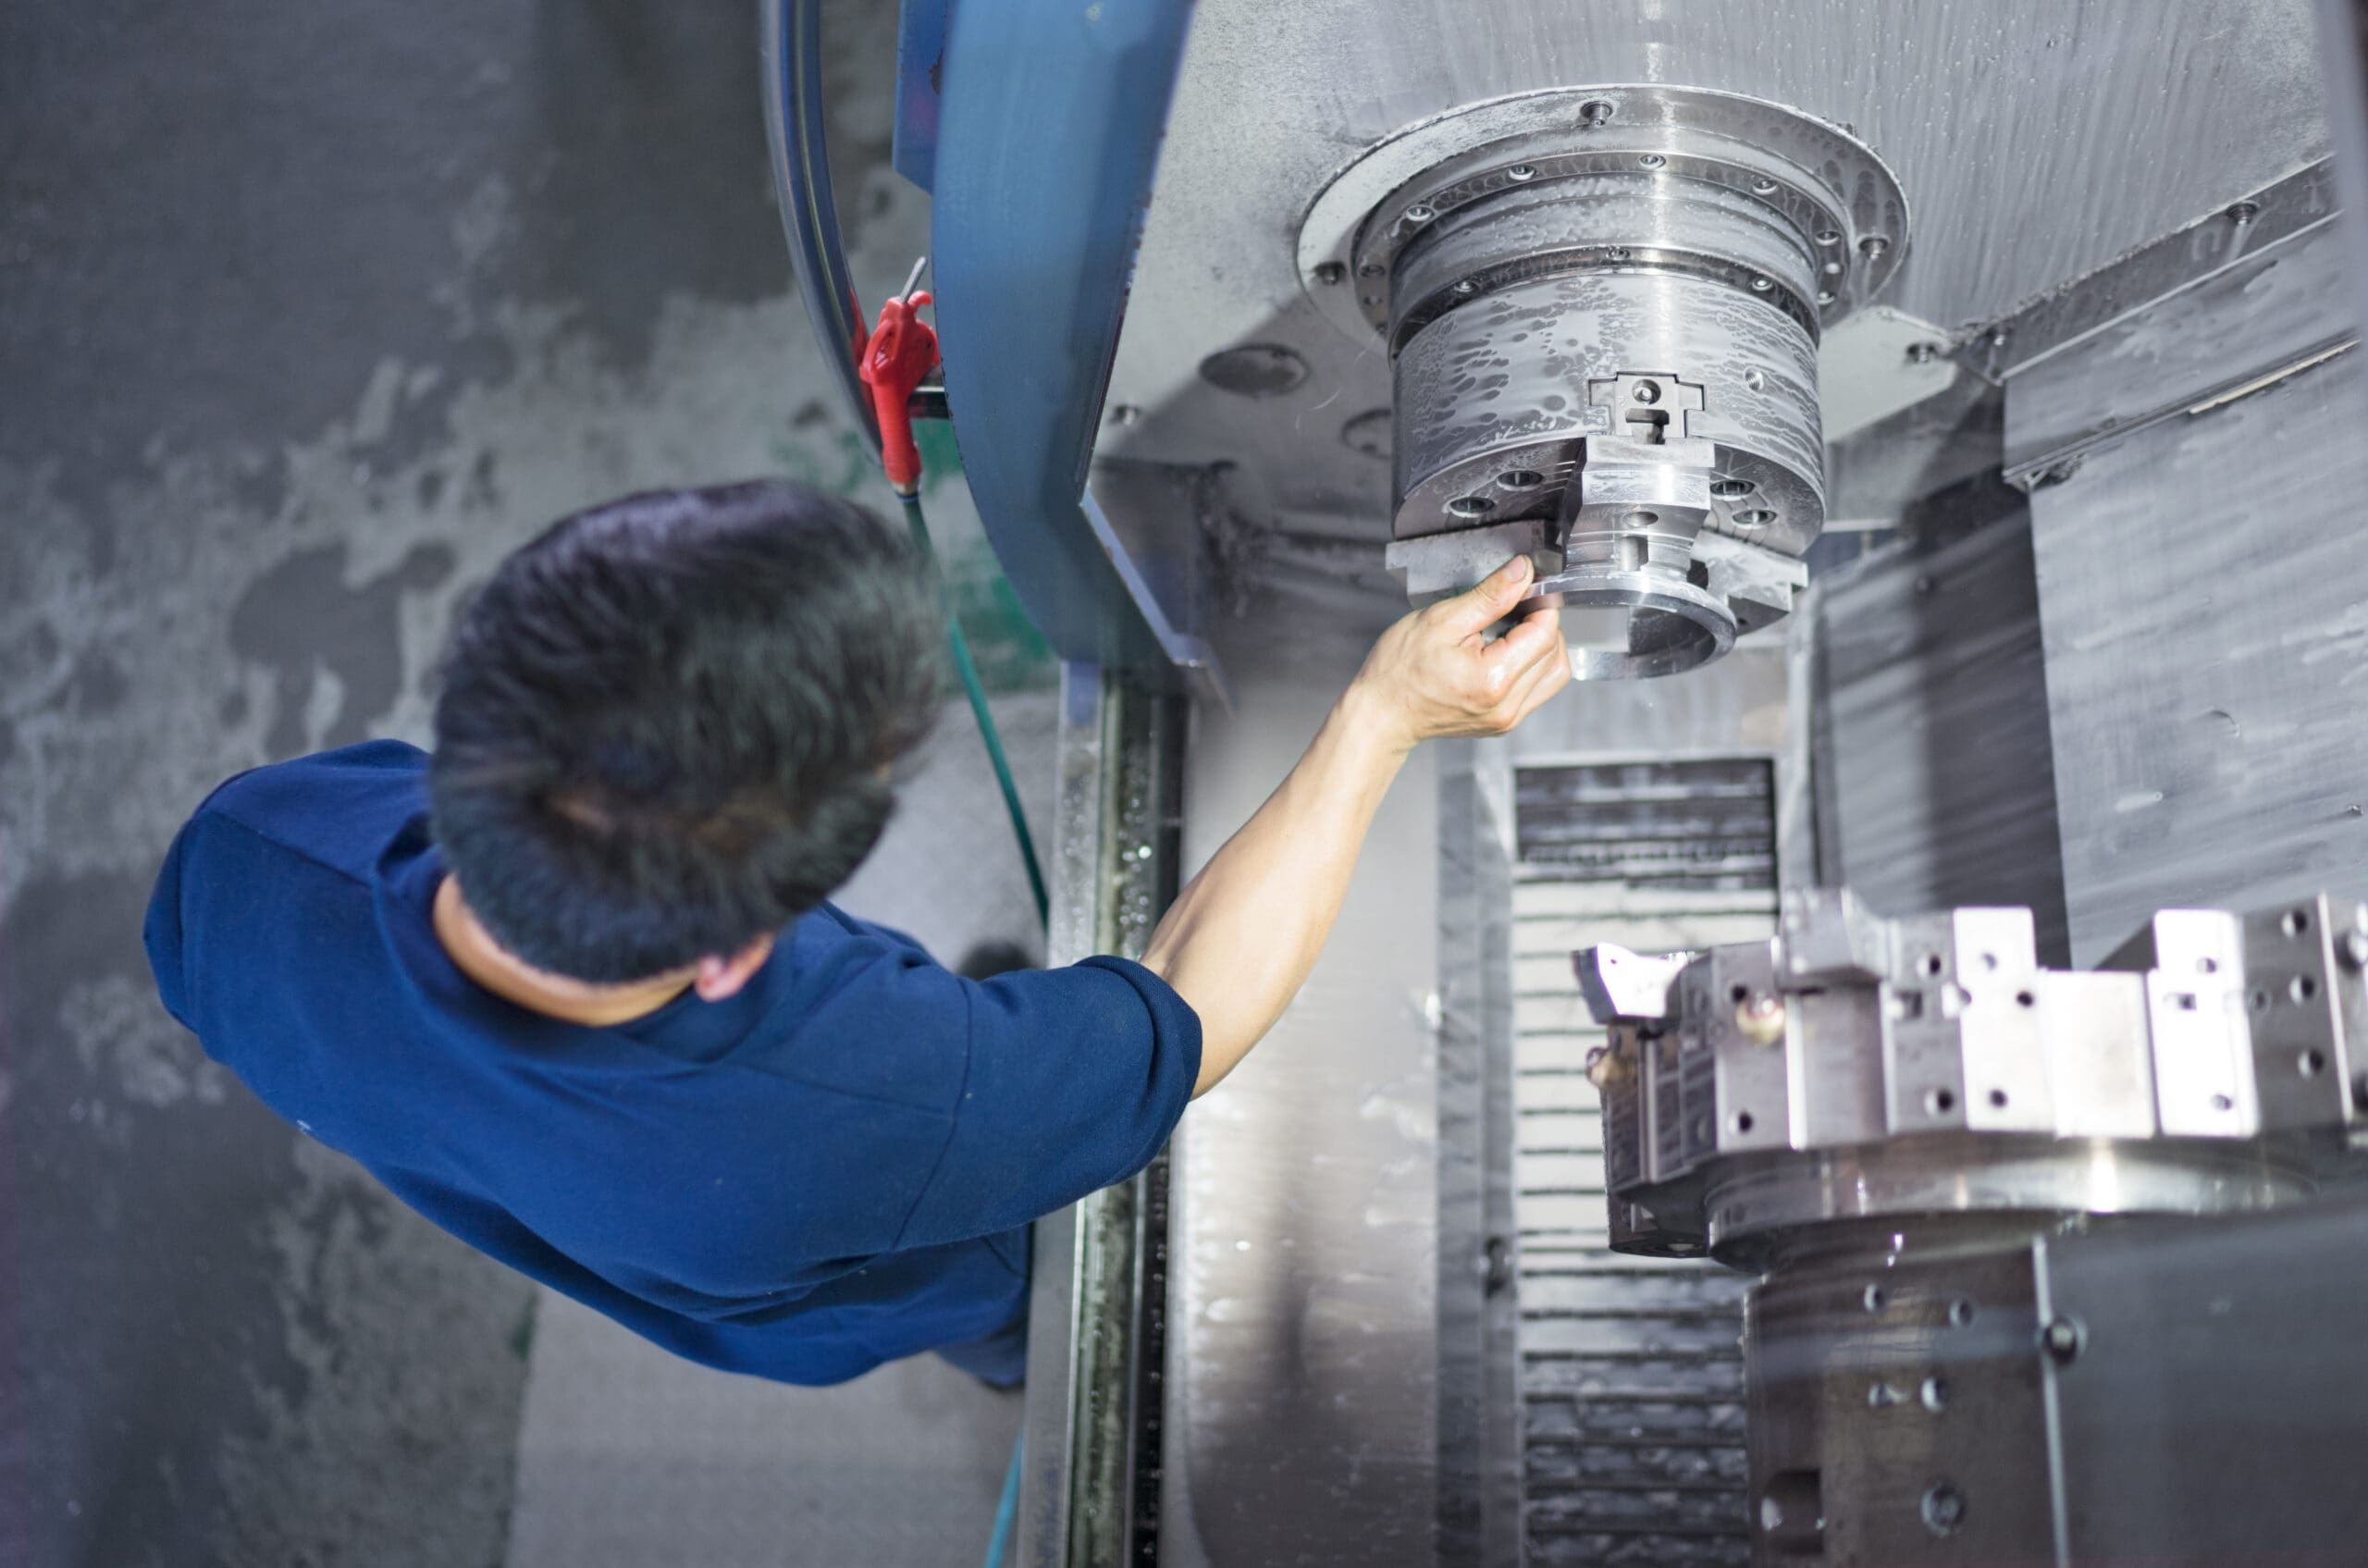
[[307, 314]]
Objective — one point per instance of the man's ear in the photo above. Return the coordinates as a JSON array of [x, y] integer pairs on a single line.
[[720, 977]]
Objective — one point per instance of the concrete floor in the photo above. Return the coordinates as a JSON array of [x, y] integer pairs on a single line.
[[306, 316]]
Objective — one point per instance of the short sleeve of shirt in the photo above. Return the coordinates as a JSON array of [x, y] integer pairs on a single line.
[[1076, 1077]]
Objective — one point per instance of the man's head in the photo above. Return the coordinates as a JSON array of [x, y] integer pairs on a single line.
[[666, 725]]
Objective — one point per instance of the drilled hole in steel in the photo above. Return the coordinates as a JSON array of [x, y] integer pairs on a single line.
[[1641, 519], [1758, 517], [2221, 1103], [2259, 1000], [1930, 963], [2310, 1063], [1732, 489], [1755, 381], [1873, 1299], [2296, 922], [1763, 187], [1998, 1099], [1960, 1313], [1520, 479], [1935, 1394], [1742, 1121], [1944, 1510], [2302, 989], [2025, 999], [1471, 506], [2207, 966], [1828, 237], [1940, 1102], [1652, 160]]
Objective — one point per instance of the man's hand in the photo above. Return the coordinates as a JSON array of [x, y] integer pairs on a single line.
[[1433, 675], [1242, 936]]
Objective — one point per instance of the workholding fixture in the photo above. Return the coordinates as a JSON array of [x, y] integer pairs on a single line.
[[1602, 306], [1901, 1122]]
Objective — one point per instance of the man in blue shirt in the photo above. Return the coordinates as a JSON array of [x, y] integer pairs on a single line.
[[570, 986]]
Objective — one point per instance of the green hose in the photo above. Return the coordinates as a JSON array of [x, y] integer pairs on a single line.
[[968, 670], [1008, 1505]]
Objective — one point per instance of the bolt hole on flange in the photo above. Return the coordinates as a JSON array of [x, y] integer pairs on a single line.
[[1732, 489], [1520, 479], [1471, 506], [1754, 519]]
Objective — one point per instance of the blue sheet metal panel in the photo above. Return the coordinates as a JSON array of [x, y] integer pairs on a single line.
[[921, 59], [1049, 126]]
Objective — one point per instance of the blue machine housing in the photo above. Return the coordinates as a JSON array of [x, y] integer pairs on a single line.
[[1036, 125]]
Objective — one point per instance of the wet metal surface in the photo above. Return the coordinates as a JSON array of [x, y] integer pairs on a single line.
[[1303, 1394], [1930, 733], [2206, 636], [2036, 141]]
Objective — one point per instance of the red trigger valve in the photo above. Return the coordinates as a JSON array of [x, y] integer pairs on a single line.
[[900, 352]]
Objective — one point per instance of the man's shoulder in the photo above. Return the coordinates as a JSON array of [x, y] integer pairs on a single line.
[[337, 808]]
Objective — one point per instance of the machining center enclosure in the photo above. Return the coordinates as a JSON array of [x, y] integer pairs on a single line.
[[1993, 571]]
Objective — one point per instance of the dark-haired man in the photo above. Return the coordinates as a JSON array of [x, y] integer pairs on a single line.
[[570, 986]]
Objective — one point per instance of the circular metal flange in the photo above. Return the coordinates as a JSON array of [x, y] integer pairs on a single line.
[[1819, 177], [1654, 623], [1762, 1203]]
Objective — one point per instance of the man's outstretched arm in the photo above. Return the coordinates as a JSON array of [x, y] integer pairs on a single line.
[[1240, 938]]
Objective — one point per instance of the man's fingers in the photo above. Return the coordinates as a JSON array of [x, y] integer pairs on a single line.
[[1473, 609], [1539, 676], [1530, 637]]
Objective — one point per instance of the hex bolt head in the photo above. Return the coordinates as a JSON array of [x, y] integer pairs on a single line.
[[2063, 1338], [1646, 392], [1596, 112], [2244, 212], [1520, 172]]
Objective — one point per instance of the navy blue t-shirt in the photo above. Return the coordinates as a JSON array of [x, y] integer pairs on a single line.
[[830, 1169]]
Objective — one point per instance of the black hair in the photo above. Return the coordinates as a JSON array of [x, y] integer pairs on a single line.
[[665, 725]]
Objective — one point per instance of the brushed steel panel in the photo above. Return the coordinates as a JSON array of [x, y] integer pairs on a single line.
[[2204, 615], [1931, 730], [1303, 1399]]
